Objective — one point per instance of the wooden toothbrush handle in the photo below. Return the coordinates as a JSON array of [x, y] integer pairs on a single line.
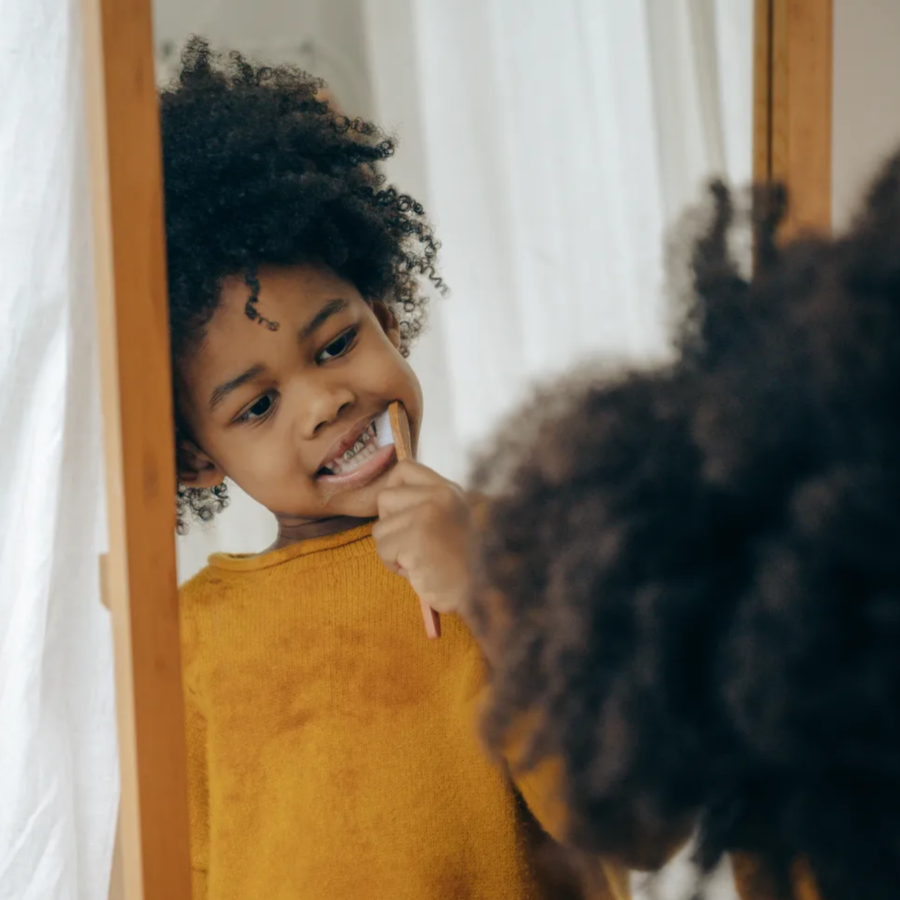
[[403, 445], [400, 431], [432, 621]]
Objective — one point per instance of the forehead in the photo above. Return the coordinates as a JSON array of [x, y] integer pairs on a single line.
[[286, 295], [289, 296]]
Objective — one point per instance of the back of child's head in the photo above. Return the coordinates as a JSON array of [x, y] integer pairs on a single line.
[[699, 567], [261, 171]]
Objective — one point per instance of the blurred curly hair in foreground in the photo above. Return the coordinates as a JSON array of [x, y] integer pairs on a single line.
[[698, 568]]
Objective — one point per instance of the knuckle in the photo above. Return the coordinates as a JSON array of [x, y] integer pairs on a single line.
[[446, 495], [432, 513]]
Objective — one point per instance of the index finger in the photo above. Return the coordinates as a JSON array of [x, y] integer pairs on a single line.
[[413, 474]]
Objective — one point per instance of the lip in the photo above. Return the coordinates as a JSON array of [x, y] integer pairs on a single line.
[[367, 472], [351, 436]]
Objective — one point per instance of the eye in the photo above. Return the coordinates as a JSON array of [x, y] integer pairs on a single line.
[[260, 409], [339, 347]]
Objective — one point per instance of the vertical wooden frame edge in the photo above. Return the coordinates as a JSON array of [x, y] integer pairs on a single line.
[[132, 324]]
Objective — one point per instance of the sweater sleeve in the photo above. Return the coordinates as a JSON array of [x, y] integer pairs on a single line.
[[628, 844], [196, 740], [198, 795]]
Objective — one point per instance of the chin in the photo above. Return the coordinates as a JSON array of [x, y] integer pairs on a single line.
[[361, 504], [356, 494]]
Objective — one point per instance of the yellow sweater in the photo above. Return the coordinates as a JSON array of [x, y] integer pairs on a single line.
[[332, 751]]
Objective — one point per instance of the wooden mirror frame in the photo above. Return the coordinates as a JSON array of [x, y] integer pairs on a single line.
[[139, 573], [792, 143], [792, 105]]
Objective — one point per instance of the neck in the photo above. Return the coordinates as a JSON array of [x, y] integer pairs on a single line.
[[293, 531]]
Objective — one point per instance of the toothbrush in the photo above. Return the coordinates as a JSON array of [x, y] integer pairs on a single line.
[[392, 427]]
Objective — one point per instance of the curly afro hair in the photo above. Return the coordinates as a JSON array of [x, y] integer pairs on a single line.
[[259, 169], [699, 569]]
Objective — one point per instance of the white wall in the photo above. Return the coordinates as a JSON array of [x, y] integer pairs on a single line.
[[866, 111]]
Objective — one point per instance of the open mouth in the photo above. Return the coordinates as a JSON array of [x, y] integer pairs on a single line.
[[364, 450]]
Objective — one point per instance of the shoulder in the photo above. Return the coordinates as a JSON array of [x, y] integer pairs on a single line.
[[200, 589], [197, 597], [198, 600]]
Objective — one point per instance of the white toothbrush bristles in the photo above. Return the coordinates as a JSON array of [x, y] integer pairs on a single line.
[[383, 433]]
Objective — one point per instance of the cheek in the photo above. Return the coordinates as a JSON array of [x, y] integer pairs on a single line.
[[258, 463], [387, 374], [399, 382], [412, 399]]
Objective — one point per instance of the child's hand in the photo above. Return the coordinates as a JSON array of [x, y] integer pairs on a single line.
[[423, 534]]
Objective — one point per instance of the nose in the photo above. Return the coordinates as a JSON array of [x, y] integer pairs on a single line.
[[325, 404]]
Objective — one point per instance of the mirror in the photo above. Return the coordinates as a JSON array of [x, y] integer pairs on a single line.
[[551, 148]]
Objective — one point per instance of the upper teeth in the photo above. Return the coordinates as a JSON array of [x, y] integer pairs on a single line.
[[351, 459], [364, 438]]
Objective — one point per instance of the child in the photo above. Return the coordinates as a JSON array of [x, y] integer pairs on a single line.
[[331, 747], [699, 574]]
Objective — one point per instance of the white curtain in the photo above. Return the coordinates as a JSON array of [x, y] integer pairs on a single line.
[[557, 141], [58, 769], [554, 144]]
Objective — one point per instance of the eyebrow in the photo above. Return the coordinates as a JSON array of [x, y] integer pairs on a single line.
[[223, 390], [331, 308]]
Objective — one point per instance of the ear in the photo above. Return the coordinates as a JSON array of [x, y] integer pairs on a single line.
[[195, 468], [388, 321]]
